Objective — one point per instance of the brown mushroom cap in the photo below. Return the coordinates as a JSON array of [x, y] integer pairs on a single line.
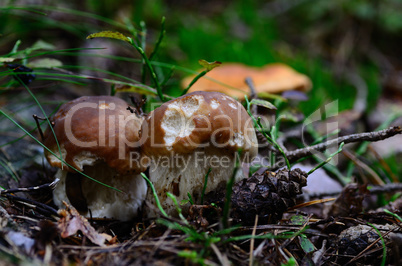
[[272, 78], [92, 129], [196, 120]]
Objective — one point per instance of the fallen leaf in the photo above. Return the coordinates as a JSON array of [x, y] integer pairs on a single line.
[[71, 222]]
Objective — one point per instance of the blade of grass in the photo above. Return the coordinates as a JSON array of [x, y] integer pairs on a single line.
[[128, 59], [44, 114], [178, 209], [81, 14], [63, 80], [200, 75], [143, 45], [158, 203], [31, 131], [62, 52], [7, 168], [327, 160], [141, 87], [151, 70], [228, 196], [259, 127], [190, 198], [162, 34], [205, 185], [396, 216], [248, 237], [33, 10], [384, 247]]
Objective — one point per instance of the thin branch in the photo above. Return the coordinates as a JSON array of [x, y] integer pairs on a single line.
[[51, 185], [387, 188], [34, 204], [366, 136]]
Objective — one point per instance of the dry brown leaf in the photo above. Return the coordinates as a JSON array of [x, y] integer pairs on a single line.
[[71, 222]]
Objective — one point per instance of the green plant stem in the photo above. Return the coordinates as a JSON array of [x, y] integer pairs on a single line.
[[44, 114], [173, 198], [142, 87], [228, 196], [82, 14], [273, 142], [258, 125], [396, 216], [143, 45], [31, 131], [190, 198], [205, 185], [194, 81], [158, 203], [8, 169], [327, 160], [162, 34], [384, 247], [151, 70]]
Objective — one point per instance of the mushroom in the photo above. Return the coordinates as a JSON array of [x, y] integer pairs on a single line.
[[187, 136], [229, 79], [97, 135]]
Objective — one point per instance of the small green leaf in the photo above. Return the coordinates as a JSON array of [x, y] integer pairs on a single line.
[[6, 59], [291, 262], [263, 103], [16, 46], [184, 202], [306, 244], [110, 34], [190, 199], [266, 95], [291, 116], [42, 45], [45, 63], [209, 65], [297, 219]]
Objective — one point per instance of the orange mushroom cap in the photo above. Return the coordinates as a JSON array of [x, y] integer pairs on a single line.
[[230, 79]]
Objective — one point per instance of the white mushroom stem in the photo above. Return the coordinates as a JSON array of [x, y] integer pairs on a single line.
[[181, 174], [104, 201]]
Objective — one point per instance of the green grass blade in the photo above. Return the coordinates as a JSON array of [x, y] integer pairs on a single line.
[[162, 34], [200, 75], [81, 14], [158, 203], [31, 131], [44, 114], [176, 204], [396, 216], [33, 10], [327, 160], [384, 247], [205, 185], [228, 196], [7, 168]]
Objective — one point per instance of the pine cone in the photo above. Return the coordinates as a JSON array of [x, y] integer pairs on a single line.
[[269, 195]]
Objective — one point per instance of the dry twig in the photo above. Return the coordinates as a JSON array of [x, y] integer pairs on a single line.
[[366, 136]]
